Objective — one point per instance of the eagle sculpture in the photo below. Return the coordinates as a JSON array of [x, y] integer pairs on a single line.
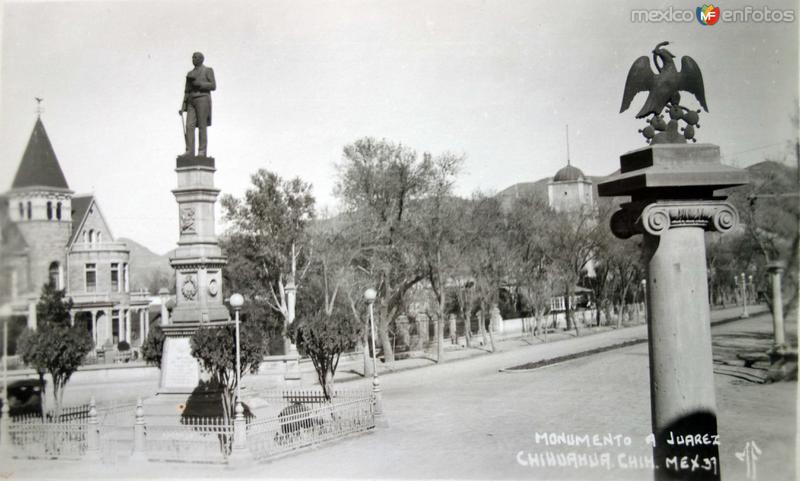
[[664, 85], [663, 93]]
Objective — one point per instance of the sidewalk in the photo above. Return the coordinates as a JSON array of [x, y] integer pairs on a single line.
[[590, 342]]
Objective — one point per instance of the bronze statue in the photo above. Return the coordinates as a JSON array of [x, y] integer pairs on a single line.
[[663, 89], [197, 104]]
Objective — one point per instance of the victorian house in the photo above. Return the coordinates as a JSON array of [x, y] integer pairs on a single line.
[[49, 234]]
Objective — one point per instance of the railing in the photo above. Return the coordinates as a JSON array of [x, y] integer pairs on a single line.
[[118, 431], [298, 425], [34, 436], [197, 440]]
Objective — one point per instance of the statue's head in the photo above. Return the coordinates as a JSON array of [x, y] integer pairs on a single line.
[[197, 59]]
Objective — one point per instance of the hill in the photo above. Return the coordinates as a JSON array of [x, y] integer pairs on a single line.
[[149, 270]]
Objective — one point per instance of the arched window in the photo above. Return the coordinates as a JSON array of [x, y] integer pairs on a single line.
[[99, 237], [49, 210], [30, 210], [85, 237], [54, 274], [91, 236], [58, 211]]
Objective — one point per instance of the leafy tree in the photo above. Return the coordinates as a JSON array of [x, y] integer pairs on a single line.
[[438, 228], [323, 337], [153, 346], [55, 347], [267, 243], [378, 182], [215, 348]]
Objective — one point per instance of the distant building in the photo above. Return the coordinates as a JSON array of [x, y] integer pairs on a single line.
[[48, 234], [570, 191]]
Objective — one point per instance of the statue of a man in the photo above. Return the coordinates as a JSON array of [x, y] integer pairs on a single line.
[[197, 103]]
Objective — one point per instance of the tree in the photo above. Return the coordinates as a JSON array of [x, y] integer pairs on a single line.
[[377, 182], [215, 348], [489, 257], [323, 337], [267, 243], [55, 347], [572, 242], [439, 218], [153, 346]]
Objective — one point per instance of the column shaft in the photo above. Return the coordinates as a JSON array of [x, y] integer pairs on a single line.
[[681, 370]]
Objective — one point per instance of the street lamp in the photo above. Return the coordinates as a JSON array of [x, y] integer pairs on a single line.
[[237, 301], [644, 297], [5, 317], [369, 296]]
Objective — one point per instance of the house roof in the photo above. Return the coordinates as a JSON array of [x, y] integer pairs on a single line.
[[39, 166], [80, 206]]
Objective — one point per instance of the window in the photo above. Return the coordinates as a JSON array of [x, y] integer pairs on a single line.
[[125, 280], [98, 237], [58, 211], [115, 277], [91, 277], [85, 237], [91, 236], [30, 209], [54, 274], [49, 210], [21, 211]]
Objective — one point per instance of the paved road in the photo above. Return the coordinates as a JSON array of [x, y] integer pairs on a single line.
[[468, 420]]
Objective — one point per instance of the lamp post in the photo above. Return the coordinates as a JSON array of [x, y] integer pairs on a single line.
[[236, 303], [239, 453], [380, 420], [5, 317], [644, 297]]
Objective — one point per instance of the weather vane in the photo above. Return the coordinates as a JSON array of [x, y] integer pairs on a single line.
[[39, 108], [664, 97]]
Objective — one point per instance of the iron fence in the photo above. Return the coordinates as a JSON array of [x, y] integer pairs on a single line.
[[298, 425], [196, 440], [44, 437]]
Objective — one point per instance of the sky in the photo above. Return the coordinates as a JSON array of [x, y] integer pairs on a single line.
[[299, 80]]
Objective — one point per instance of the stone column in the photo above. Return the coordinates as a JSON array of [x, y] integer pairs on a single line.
[[32, 316], [128, 326], [661, 179], [141, 327], [94, 327], [775, 270]]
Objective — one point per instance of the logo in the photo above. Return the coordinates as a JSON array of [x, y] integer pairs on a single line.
[[707, 14]]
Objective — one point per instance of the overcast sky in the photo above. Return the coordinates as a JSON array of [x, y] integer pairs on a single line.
[[296, 81]]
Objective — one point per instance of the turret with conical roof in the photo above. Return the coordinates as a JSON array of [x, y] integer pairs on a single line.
[[40, 204]]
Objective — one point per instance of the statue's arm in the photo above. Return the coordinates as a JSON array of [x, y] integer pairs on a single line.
[[209, 83], [185, 104]]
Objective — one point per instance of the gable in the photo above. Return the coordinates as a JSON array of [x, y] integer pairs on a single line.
[[91, 221]]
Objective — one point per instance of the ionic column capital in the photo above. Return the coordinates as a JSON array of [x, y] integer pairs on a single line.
[[657, 217]]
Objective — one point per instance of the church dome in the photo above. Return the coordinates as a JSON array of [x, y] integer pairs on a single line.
[[568, 173]]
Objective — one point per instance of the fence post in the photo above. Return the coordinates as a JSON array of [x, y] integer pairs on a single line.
[[5, 437], [139, 453], [93, 434], [240, 455]]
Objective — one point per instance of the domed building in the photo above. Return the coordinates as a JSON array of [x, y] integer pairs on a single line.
[[570, 190]]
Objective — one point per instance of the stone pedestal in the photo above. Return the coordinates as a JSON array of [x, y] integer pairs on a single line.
[[673, 202], [198, 263], [198, 260]]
